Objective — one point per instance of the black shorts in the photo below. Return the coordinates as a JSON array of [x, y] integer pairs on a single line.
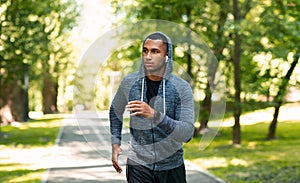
[[142, 174]]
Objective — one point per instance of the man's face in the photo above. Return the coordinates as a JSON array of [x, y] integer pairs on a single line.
[[154, 54]]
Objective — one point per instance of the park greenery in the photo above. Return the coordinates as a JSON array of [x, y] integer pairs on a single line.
[[256, 160], [254, 41], [35, 134], [35, 55]]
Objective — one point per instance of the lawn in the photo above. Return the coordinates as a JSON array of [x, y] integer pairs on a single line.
[[22, 144], [256, 160]]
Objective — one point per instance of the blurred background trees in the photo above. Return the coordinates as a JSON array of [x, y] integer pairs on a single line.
[[254, 41], [35, 52]]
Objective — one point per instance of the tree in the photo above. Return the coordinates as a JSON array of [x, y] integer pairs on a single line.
[[236, 32], [206, 18], [57, 51], [279, 98], [15, 53], [283, 17], [32, 37], [219, 41], [236, 57], [236, 138]]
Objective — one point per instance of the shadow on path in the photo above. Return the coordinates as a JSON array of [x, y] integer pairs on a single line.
[[74, 160]]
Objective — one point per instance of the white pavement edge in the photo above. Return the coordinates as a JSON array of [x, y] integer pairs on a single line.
[[57, 141]]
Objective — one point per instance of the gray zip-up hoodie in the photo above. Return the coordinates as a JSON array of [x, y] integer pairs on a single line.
[[156, 145]]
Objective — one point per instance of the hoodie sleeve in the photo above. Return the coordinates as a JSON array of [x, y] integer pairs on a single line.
[[181, 130], [116, 114]]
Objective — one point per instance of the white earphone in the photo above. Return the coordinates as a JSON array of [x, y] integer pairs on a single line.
[[167, 58]]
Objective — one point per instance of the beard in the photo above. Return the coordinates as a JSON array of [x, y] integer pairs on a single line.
[[156, 70]]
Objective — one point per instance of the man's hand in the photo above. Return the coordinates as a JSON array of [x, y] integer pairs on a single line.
[[116, 151], [140, 108]]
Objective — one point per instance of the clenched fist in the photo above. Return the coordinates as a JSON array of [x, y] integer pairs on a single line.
[[140, 108]]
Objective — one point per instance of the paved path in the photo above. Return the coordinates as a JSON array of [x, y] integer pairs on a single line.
[[82, 154]]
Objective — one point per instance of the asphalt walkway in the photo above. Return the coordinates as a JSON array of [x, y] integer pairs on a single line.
[[82, 154]]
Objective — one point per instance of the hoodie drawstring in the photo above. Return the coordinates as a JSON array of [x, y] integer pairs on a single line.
[[164, 95], [142, 95]]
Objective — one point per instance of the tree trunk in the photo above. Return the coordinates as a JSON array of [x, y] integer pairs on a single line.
[[236, 138], [272, 127], [218, 42], [26, 98], [204, 112], [207, 102], [206, 107], [278, 100], [14, 92], [49, 93], [189, 51]]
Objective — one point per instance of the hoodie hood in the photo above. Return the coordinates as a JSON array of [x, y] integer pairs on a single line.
[[169, 65], [168, 69], [156, 144]]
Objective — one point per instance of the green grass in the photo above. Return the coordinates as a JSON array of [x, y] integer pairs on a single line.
[[20, 175], [256, 160], [33, 134]]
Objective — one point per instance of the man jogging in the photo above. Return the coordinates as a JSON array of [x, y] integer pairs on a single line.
[[161, 110]]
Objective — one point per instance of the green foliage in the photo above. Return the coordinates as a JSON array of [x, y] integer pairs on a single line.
[[34, 134], [31, 134], [201, 17], [33, 35], [257, 160], [268, 32], [268, 37], [279, 25]]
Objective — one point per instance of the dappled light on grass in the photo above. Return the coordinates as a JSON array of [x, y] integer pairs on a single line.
[[10, 167], [252, 145], [257, 159], [25, 148], [30, 177], [287, 113], [238, 162], [31, 134], [217, 162], [214, 162], [24, 126], [21, 175]]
